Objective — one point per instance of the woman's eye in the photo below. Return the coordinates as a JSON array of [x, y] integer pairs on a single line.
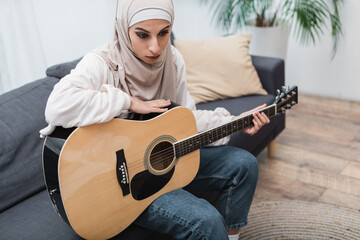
[[163, 33], [142, 35]]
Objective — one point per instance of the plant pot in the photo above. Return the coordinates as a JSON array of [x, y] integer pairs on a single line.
[[269, 41]]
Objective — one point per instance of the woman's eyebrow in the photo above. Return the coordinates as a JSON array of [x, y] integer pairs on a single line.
[[138, 28], [141, 29], [165, 27]]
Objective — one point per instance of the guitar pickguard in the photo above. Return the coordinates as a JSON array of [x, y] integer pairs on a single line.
[[145, 184]]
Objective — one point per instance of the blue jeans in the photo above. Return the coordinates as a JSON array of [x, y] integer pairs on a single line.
[[231, 171]]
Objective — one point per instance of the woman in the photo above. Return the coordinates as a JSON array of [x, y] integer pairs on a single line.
[[140, 71]]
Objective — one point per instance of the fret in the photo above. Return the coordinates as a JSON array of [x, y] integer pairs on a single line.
[[206, 138], [210, 136], [198, 142], [224, 131], [241, 123], [188, 145], [234, 127], [194, 142], [201, 141]]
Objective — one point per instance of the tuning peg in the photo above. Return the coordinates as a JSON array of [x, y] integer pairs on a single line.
[[293, 103], [283, 89], [277, 92], [288, 106]]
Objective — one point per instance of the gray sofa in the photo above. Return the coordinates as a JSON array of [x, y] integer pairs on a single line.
[[25, 208]]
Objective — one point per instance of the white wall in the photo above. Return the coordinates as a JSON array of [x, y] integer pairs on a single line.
[[36, 34], [67, 29], [309, 67], [70, 28]]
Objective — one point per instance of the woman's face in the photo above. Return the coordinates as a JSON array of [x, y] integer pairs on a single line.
[[149, 39]]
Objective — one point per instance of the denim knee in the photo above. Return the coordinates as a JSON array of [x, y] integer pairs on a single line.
[[249, 163], [244, 167], [211, 224]]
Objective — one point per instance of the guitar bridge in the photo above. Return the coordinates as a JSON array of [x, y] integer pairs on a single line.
[[122, 172]]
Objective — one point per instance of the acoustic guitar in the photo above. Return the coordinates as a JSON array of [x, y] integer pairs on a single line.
[[101, 177]]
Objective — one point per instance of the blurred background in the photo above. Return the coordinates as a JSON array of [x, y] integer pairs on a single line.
[[36, 34]]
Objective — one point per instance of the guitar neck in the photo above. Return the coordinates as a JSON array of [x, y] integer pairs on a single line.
[[205, 138]]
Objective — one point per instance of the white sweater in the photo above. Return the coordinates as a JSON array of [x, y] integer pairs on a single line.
[[88, 95]]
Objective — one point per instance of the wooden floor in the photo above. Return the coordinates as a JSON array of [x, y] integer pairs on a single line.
[[317, 156]]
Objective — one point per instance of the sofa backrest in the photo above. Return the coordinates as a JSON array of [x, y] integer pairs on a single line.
[[62, 69], [21, 118]]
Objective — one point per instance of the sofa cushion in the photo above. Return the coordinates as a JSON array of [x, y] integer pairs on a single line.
[[35, 218], [219, 68], [21, 118]]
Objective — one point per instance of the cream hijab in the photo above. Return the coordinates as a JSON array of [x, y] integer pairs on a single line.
[[132, 75]]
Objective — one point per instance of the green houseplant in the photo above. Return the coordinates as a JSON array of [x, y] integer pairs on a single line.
[[306, 18]]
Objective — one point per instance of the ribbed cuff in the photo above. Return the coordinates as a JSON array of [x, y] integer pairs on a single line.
[[127, 102]]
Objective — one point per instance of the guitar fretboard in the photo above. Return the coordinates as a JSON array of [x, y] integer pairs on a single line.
[[207, 137]]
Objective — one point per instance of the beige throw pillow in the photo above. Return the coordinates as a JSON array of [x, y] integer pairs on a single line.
[[219, 68]]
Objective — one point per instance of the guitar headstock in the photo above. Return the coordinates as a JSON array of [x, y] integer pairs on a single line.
[[286, 98]]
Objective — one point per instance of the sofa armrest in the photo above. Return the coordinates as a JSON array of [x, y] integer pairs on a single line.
[[271, 72]]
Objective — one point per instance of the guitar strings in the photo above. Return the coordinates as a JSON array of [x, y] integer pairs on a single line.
[[168, 152], [199, 140], [202, 137], [157, 159]]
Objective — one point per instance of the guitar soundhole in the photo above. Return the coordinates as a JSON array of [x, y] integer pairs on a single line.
[[162, 156]]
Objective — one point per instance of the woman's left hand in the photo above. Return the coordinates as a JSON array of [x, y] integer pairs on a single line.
[[260, 119]]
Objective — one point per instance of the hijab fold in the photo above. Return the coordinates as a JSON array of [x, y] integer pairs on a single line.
[[135, 77]]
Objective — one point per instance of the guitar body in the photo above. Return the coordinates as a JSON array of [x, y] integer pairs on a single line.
[[102, 177]]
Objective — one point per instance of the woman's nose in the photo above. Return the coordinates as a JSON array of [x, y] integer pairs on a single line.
[[154, 47]]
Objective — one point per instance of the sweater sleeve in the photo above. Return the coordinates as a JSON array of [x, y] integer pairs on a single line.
[[86, 96], [205, 119]]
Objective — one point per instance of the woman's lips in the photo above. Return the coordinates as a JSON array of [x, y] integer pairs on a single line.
[[153, 57]]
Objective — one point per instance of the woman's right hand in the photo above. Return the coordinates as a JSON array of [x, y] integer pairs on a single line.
[[144, 107]]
